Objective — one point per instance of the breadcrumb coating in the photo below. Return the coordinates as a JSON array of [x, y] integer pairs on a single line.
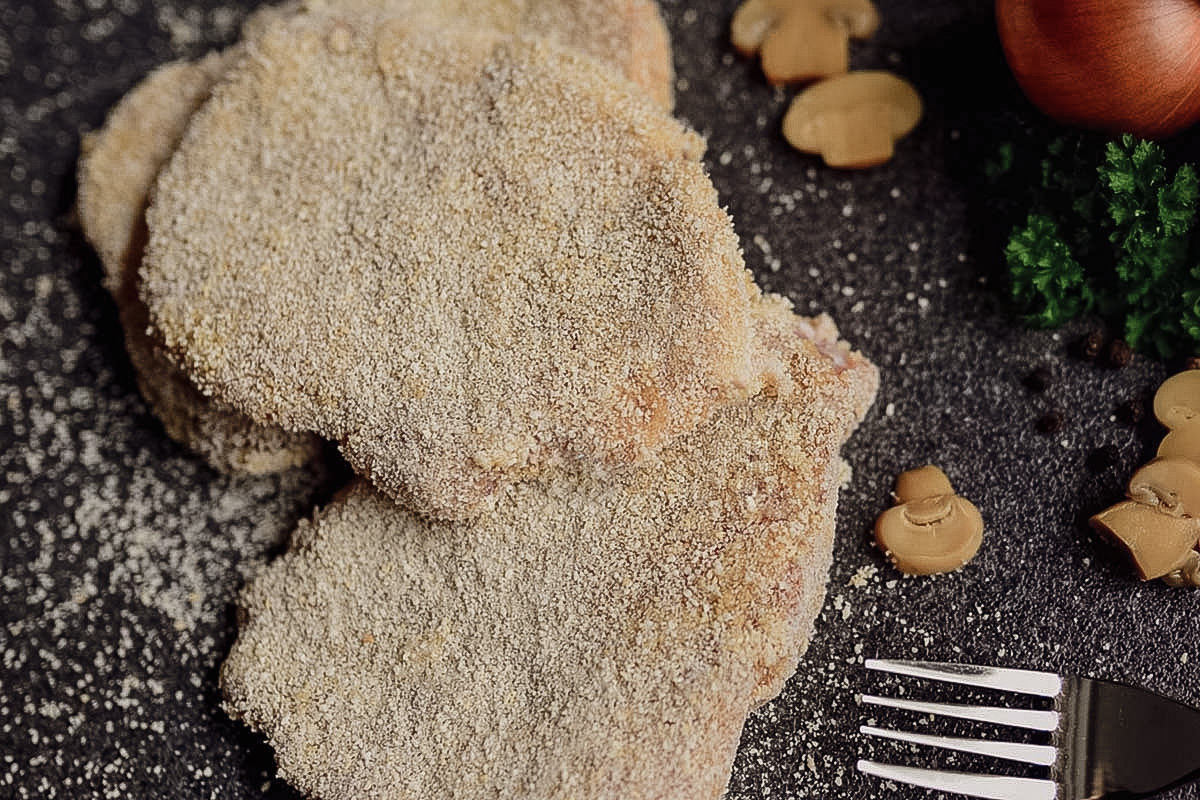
[[116, 170], [629, 35], [461, 255], [591, 638], [120, 162]]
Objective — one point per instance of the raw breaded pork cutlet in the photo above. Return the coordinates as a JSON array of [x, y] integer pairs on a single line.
[[591, 638], [120, 162], [116, 169], [463, 256]]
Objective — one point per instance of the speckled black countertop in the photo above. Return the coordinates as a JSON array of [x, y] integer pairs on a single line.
[[121, 554]]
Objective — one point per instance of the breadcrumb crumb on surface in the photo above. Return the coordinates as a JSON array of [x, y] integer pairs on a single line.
[[589, 638], [403, 244]]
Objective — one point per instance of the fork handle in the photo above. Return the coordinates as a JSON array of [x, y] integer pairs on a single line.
[[1124, 742]]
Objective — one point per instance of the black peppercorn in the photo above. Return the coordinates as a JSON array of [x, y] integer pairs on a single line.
[[1089, 345], [1119, 354], [1051, 422], [1039, 380]]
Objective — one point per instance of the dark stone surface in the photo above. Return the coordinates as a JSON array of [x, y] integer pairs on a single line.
[[120, 554]]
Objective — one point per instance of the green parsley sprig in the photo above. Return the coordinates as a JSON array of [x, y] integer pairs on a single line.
[[1111, 232]]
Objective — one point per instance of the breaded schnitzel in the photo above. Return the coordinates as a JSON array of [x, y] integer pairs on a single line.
[[461, 255], [591, 638], [120, 162]]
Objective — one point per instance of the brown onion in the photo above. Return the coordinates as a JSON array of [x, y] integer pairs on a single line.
[[1128, 66]]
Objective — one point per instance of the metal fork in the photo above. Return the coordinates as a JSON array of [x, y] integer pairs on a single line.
[[1108, 740]]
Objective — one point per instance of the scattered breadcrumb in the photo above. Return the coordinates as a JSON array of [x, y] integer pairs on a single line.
[[863, 575]]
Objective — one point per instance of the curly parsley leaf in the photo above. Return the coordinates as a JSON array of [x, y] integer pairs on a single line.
[[1047, 280], [1112, 233]]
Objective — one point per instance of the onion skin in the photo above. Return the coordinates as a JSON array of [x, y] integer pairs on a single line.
[[1123, 66]]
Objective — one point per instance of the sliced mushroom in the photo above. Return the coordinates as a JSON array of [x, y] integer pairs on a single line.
[[1158, 543], [1160, 525], [1181, 442], [1177, 401], [931, 529], [853, 120], [1172, 485], [801, 40]]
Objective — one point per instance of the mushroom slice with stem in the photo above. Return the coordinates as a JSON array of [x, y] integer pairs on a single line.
[[931, 529], [1158, 526], [1177, 401], [1159, 544], [1181, 442], [854, 120], [1170, 484], [1177, 406], [801, 40]]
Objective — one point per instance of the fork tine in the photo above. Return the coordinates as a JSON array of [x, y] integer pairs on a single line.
[[1041, 754], [991, 787], [1028, 718], [1021, 681]]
